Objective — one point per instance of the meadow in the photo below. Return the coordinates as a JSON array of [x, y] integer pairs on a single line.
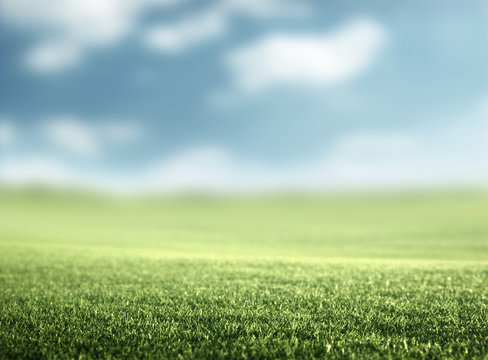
[[385, 276]]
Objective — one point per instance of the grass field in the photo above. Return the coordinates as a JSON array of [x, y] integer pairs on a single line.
[[385, 276]]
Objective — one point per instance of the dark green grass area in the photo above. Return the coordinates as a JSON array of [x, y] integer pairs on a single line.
[[374, 277]]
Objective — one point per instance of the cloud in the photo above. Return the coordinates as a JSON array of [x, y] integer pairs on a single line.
[[266, 8], [50, 171], [187, 33], [203, 167], [214, 22], [360, 161], [70, 29], [378, 160], [453, 155], [35, 170], [88, 140], [367, 145], [7, 132], [304, 59], [53, 56], [72, 135], [121, 132]]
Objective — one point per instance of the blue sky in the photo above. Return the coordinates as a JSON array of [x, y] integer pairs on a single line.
[[170, 94]]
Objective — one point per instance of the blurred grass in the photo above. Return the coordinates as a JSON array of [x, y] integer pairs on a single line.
[[365, 276], [415, 226]]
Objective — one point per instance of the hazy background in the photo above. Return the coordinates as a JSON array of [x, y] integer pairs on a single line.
[[243, 95]]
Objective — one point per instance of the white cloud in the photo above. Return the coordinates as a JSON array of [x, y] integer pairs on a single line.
[[71, 28], [7, 132], [50, 171], [441, 156], [53, 56], [121, 132], [38, 170], [291, 59], [367, 160], [187, 33], [72, 135], [378, 160], [204, 167], [358, 161], [364, 160], [214, 22], [89, 140], [266, 8], [376, 145]]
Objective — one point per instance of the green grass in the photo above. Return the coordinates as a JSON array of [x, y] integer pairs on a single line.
[[397, 276]]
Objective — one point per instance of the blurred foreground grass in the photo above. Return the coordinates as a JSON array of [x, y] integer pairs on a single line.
[[385, 276]]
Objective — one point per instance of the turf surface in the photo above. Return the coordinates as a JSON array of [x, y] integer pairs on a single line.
[[337, 277]]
